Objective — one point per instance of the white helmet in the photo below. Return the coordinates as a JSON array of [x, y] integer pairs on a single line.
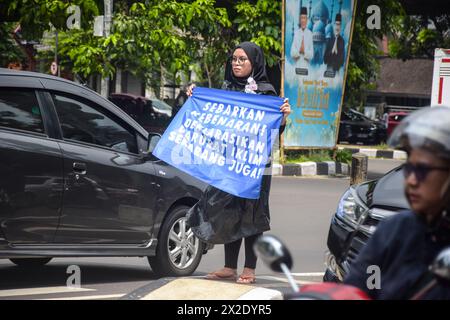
[[427, 129]]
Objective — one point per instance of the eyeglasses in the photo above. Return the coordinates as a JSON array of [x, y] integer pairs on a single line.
[[241, 60], [420, 171]]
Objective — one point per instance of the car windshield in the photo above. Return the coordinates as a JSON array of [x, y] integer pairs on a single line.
[[162, 107], [356, 116]]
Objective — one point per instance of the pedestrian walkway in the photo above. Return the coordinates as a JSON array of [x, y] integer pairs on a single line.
[[267, 287], [56, 293]]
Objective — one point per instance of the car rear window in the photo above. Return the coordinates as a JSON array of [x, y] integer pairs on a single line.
[[19, 109]]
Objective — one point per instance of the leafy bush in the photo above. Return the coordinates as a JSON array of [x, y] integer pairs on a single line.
[[295, 156], [344, 156]]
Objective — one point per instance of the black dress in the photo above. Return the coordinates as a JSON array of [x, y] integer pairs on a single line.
[[220, 217]]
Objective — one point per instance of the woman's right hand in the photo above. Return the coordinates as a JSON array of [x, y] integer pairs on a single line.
[[190, 89]]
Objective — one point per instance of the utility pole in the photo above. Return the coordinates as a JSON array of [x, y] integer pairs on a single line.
[[56, 53], [108, 4]]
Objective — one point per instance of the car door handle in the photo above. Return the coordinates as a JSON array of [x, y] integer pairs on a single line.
[[79, 167]]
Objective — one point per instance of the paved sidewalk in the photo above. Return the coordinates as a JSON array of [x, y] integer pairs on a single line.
[[201, 289], [267, 287]]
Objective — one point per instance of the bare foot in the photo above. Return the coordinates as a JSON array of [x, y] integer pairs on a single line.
[[222, 274], [247, 276]]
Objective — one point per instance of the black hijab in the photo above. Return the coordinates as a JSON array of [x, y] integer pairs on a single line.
[[256, 57]]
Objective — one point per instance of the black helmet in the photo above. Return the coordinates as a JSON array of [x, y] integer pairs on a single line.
[[427, 129]]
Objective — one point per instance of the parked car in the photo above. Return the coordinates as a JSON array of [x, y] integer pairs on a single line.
[[153, 115], [355, 127], [358, 213], [394, 119], [78, 180]]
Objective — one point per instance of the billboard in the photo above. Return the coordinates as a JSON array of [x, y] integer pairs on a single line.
[[317, 37]]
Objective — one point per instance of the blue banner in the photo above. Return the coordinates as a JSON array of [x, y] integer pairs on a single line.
[[223, 138], [317, 45]]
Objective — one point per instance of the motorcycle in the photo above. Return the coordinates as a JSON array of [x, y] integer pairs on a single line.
[[278, 258]]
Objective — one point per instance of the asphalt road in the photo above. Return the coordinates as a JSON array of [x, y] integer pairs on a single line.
[[301, 209]]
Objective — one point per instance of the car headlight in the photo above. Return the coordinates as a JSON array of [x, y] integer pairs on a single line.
[[350, 207]]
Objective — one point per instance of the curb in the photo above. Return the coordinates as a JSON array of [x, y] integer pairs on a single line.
[[331, 168], [377, 153], [200, 289], [327, 168]]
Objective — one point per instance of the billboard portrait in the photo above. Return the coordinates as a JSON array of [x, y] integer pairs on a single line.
[[317, 37]]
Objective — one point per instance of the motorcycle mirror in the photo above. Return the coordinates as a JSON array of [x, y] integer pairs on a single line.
[[441, 265], [273, 252]]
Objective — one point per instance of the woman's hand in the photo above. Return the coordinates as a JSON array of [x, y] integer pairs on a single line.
[[190, 89], [286, 109]]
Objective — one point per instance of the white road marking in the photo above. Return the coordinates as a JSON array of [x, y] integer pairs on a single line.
[[98, 297], [283, 279], [42, 290], [262, 294], [309, 274]]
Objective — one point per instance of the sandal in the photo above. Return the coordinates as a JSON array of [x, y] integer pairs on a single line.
[[247, 277], [222, 274]]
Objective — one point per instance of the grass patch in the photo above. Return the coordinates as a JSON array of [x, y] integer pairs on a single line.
[[382, 146], [295, 156]]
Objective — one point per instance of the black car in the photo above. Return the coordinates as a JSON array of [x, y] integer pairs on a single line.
[[153, 115], [355, 127], [359, 211], [78, 179]]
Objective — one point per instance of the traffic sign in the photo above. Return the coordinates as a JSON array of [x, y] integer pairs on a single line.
[[54, 68]]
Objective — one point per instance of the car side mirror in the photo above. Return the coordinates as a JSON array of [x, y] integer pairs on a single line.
[[273, 252], [153, 139], [441, 265]]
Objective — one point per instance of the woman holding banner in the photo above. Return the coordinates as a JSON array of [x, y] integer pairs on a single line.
[[230, 218]]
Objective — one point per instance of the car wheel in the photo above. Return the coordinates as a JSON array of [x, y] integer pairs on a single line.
[[179, 251], [30, 262]]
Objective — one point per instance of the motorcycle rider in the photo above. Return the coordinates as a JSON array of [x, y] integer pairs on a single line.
[[404, 245]]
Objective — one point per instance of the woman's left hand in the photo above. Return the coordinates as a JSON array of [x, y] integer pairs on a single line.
[[286, 109]]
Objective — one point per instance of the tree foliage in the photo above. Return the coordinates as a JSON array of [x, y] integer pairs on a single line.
[[35, 16], [420, 36], [260, 21], [363, 64], [151, 38], [409, 37], [9, 52]]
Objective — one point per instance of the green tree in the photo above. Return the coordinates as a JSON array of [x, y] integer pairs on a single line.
[[249, 20], [9, 51], [363, 65], [260, 21], [420, 35], [35, 16], [409, 37], [152, 37]]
